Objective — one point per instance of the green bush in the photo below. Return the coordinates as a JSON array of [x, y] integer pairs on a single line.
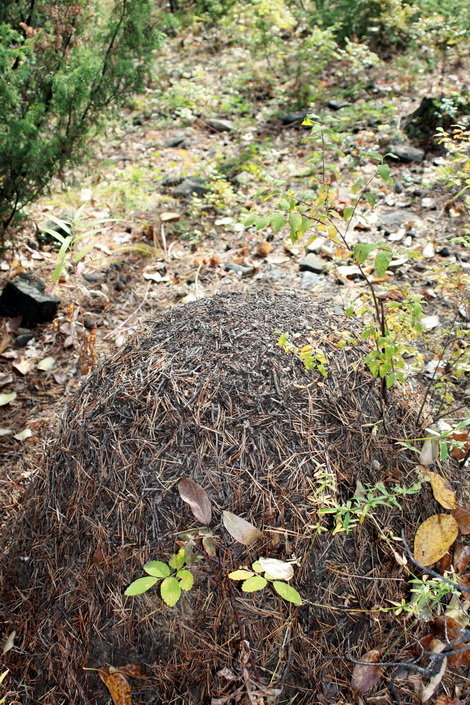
[[63, 64]]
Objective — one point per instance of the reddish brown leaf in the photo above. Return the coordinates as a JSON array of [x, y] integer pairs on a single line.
[[365, 678], [461, 558], [462, 517], [133, 671], [447, 700], [448, 629], [444, 563], [462, 437], [193, 494], [117, 684]]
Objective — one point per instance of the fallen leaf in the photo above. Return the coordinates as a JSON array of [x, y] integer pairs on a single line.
[[448, 630], [434, 537], [47, 364], [23, 366], [441, 489], [447, 700], [117, 684], [6, 379], [276, 569], [461, 437], [240, 529], [428, 691], [168, 216], [9, 643], [461, 557], [133, 671], [430, 322], [6, 432], [7, 398], [263, 248], [462, 517], [365, 678], [23, 435], [193, 494]]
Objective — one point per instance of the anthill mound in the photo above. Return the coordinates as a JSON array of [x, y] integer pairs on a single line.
[[205, 392]]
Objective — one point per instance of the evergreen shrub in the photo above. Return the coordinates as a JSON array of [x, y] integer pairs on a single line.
[[63, 64]]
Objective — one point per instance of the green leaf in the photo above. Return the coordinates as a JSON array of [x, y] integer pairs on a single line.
[[257, 582], [240, 574], [256, 566], [177, 561], [383, 170], [284, 203], [186, 579], [362, 250], [157, 568], [170, 591], [250, 220], [382, 260], [277, 222], [263, 222], [371, 199], [348, 212], [287, 592], [295, 222], [140, 586]]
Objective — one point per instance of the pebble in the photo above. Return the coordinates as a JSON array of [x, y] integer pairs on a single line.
[[406, 153], [312, 263]]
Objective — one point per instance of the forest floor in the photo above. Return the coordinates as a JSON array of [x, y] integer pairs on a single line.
[[150, 248]]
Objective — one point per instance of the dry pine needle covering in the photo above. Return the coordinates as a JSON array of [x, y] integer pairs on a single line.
[[206, 393]]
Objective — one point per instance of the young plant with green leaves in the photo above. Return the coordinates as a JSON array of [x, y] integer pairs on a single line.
[[176, 577]]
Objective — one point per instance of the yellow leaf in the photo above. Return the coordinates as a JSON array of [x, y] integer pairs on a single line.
[[117, 684], [434, 538], [441, 489]]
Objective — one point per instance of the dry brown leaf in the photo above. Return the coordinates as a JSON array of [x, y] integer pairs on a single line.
[[448, 630], [462, 517], [441, 489], [133, 671], [263, 249], [193, 494], [436, 647], [117, 684], [240, 529], [447, 700], [461, 557], [365, 678], [434, 537], [462, 436]]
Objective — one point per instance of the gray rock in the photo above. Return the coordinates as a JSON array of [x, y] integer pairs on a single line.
[[406, 153], [22, 340], [192, 186], [337, 104], [171, 180], [310, 279], [312, 263], [93, 277], [25, 297], [221, 125], [240, 269], [294, 118], [394, 220], [176, 141]]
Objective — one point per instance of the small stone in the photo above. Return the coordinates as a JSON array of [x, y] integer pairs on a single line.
[[121, 283], [93, 277], [394, 220], [428, 203], [192, 186], [312, 263], [310, 279], [171, 180], [240, 269], [176, 141], [405, 153], [25, 297], [428, 250], [349, 271], [444, 252], [22, 340], [221, 125], [294, 118], [337, 104], [89, 322]]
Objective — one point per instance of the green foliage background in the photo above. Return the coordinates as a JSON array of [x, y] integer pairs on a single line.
[[63, 63]]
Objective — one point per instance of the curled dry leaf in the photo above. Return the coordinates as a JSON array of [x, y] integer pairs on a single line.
[[117, 684], [447, 700], [133, 671], [9, 643], [240, 529], [365, 678], [193, 494], [462, 517], [277, 569], [434, 537], [441, 489]]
